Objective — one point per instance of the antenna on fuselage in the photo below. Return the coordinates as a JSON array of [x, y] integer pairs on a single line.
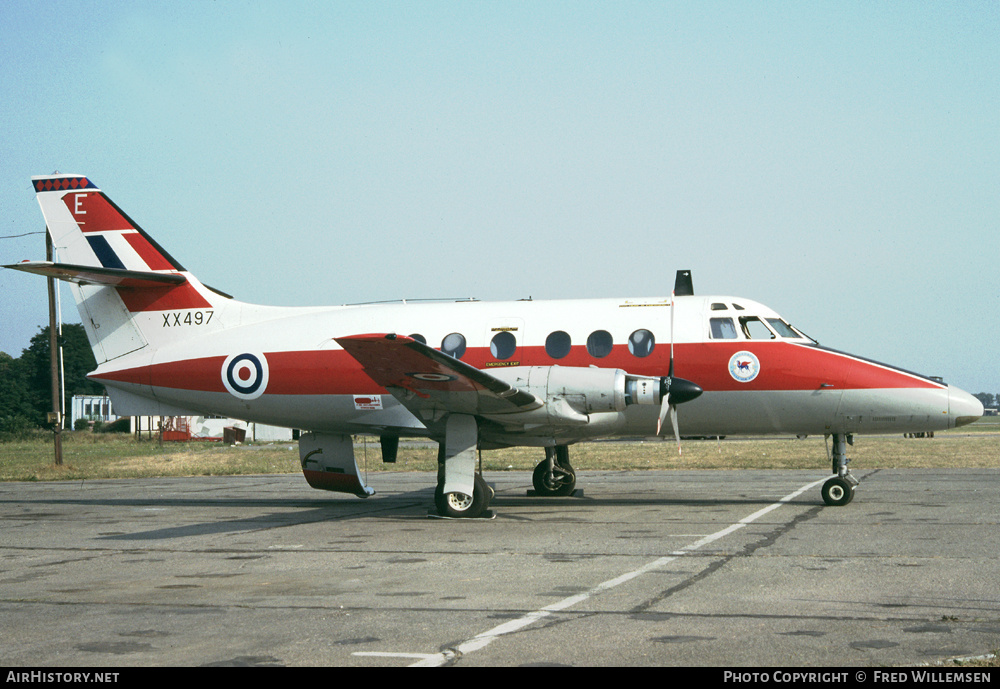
[[683, 286]]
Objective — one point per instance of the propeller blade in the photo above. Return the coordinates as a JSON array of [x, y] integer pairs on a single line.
[[670, 371], [674, 391], [665, 407], [677, 433], [668, 409]]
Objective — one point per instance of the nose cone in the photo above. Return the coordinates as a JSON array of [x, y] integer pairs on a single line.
[[963, 408]]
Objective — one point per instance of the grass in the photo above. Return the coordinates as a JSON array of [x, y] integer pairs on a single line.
[[94, 456]]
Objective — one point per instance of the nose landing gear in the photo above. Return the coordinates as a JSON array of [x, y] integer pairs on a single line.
[[839, 490]]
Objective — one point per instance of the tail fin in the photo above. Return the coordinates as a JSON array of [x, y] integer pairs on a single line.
[[122, 279], [89, 229]]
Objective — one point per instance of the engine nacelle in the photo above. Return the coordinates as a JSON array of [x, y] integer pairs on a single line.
[[572, 393]]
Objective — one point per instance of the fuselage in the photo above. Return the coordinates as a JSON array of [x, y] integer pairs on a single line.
[[759, 374], [470, 375]]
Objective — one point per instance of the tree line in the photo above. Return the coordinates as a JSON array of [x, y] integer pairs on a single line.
[[987, 399], [26, 382]]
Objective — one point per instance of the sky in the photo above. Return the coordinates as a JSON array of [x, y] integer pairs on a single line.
[[837, 161]]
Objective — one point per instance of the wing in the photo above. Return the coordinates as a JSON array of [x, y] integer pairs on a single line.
[[431, 384]]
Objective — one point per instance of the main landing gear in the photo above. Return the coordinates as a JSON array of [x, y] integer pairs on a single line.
[[554, 476], [461, 506], [839, 490], [462, 492]]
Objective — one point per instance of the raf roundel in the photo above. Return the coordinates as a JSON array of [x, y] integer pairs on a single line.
[[433, 377], [245, 375], [744, 366]]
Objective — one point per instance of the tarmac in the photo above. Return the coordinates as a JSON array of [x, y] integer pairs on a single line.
[[734, 569]]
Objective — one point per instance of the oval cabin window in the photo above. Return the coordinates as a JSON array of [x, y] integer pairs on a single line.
[[453, 345], [641, 343], [502, 345], [599, 344], [558, 344]]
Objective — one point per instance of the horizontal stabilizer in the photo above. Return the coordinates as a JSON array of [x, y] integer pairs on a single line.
[[94, 275]]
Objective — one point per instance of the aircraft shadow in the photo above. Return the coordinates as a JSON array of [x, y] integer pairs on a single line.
[[411, 504]]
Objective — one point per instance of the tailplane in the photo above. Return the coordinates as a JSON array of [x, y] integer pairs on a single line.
[[128, 289]]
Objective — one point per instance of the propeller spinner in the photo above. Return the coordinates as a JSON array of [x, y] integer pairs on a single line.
[[674, 391]]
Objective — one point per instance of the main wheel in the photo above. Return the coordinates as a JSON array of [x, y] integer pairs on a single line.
[[837, 491], [561, 481], [462, 506]]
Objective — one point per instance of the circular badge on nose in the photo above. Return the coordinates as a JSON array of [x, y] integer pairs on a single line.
[[245, 375], [744, 366]]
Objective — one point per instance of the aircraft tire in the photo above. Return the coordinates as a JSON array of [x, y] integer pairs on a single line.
[[562, 482], [462, 506], [837, 492]]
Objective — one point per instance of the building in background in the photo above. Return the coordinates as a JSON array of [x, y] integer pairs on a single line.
[[98, 408]]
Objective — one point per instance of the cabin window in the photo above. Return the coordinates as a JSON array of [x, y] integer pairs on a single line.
[[453, 345], [419, 338], [503, 344], [718, 306], [754, 328], [558, 344], [723, 329], [599, 344], [640, 343]]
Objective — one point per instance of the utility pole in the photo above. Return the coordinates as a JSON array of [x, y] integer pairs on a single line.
[[56, 414]]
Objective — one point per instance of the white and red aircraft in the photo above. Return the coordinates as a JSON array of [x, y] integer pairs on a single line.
[[469, 375]]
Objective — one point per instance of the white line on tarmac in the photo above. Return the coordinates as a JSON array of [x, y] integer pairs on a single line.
[[482, 640]]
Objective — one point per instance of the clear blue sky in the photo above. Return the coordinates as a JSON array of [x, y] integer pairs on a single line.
[[837, 161]]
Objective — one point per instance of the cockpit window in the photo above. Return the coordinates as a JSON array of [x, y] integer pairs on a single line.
[[754, 328], [723, 329], [792, 332], [782, 328]]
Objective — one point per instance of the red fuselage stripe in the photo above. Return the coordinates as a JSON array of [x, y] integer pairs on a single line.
[[783, 366]]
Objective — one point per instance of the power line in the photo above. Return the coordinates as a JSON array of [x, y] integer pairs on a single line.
[[15, 236]]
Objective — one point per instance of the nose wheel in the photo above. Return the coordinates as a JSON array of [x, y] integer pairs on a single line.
[[839, 490]]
